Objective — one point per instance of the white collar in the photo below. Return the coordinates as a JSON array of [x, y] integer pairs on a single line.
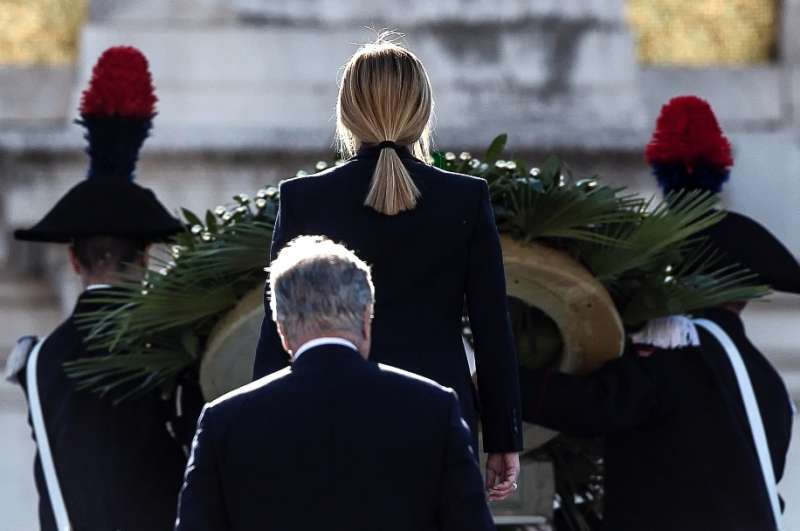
[[92, 287], [323, 341]]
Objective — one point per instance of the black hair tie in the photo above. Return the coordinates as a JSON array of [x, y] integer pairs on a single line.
[[389, 144]]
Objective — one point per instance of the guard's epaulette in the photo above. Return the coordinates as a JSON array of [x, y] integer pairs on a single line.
[[675, 331], [18, 358]]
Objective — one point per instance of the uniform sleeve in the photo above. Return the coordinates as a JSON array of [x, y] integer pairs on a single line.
[[270, 355], [201, 505], [621, 395], [463, 499], [495, 357]]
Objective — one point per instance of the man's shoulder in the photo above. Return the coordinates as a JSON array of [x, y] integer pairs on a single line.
[[64, 336], [413, 382], [263, 386], [18, 358]]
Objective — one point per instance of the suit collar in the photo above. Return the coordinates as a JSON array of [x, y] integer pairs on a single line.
[[320, 341], [372, 151], [328, 355], [93, 298]]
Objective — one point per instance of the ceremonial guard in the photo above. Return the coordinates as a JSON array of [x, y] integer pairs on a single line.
[[696, 422], [101, 465]]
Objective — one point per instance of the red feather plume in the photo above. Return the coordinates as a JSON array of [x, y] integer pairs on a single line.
[[688, 132], [121, 85]]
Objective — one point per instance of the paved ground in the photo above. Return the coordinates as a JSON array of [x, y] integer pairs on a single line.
[[18, 499]]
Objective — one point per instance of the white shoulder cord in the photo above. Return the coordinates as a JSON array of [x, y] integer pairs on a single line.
[[753, 413], [43, 443]]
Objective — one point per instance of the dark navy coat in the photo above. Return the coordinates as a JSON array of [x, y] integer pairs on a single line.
[[679, 454], [334, 442], [425, 262], [118, 467]]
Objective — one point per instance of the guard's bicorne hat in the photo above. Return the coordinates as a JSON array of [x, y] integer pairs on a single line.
[[688, 151], [117, 110]]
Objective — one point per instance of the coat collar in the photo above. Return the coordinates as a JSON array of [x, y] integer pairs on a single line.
[[328, 356], [372, 151]]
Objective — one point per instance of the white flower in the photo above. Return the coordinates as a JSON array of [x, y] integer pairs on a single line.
[[465, 155], [321, 165], [450, 155]]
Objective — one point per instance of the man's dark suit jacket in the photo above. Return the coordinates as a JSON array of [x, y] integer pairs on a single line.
[[425, 262], [679, 454], [334, 442]]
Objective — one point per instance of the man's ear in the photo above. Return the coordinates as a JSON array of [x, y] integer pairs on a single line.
[[367, 330], [282, 335], [73, 260]]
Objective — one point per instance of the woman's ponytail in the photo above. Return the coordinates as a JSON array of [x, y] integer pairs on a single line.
[[392, 190], [385, 98]]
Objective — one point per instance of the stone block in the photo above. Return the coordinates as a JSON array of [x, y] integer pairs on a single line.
[[35, 95], [741, 97], [788, 43], [160, 12], [416, 12], [765, 182], [602, 58]]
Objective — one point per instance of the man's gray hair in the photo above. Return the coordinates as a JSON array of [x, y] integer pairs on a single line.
[[319, 286]]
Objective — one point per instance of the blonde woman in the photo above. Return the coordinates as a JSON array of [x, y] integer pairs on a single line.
[[431, 240]]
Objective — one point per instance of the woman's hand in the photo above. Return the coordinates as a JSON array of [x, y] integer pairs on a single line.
[[502, 471]]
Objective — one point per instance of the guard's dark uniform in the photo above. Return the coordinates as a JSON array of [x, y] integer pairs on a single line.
[[679, 454], [679, 451], [118, 466]]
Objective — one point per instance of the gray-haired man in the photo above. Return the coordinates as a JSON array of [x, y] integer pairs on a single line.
[[332, 442]]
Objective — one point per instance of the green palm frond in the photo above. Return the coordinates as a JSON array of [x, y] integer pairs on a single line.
[[130, 375], [645, 254], [700, 281], [658, 233], [567, 212]]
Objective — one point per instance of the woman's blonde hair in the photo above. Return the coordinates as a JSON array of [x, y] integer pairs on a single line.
[[385, 96]]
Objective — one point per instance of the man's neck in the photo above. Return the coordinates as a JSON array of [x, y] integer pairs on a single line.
[[298, 344]]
